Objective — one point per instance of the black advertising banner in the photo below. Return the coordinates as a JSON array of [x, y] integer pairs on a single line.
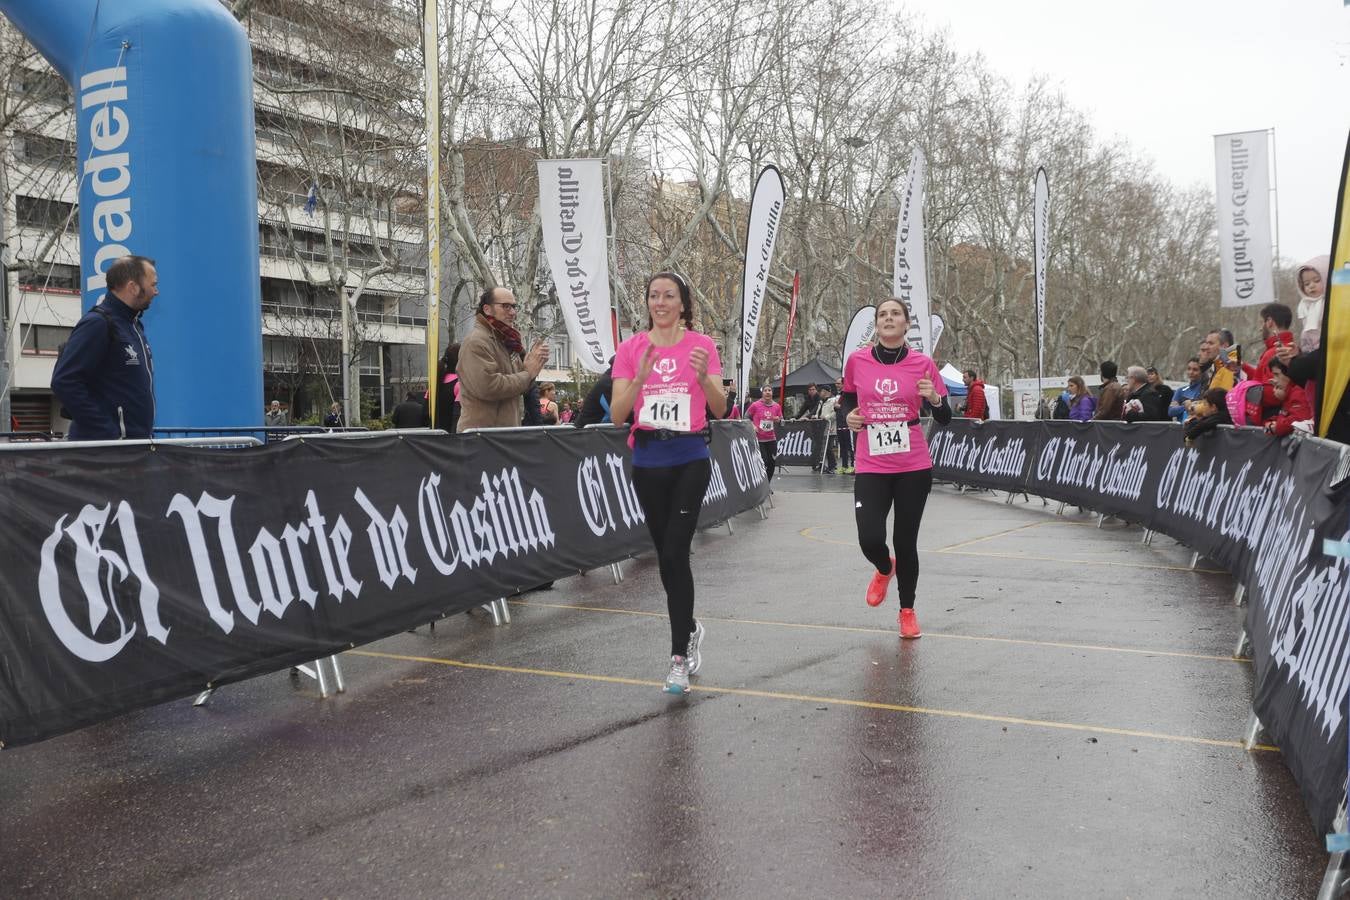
[[1260, 507], [134, 575], [801, 442]]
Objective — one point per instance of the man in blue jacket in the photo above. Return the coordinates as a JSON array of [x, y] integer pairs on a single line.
[[105, 376]]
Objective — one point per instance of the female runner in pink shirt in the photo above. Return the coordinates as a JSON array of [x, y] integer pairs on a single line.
[[885, 389], [669, 377]]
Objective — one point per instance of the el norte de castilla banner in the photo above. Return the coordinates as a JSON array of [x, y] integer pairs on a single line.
[[1259, 507], [135, 575]]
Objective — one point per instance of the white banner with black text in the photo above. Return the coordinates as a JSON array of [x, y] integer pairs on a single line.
[[572, 214], [766, 212], [1242, 176], [910, 278], [1040, 227]]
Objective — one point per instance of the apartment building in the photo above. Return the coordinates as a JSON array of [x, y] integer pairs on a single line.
[[340, 214]]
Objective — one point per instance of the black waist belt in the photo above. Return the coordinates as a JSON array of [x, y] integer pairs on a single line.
[[911, 423], [643, 435]]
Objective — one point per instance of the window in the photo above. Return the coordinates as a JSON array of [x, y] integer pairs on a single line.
[[43, 340], [279, 292], [280, 355], [47, 86], [45, 212], [49, 276], [38, 148]]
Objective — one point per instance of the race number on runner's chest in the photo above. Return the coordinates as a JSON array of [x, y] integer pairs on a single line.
[[668, 411], [886, 438]]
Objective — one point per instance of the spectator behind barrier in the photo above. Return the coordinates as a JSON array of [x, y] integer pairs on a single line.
[[811, 405], [1311, 280], [1213, 373], [1184, 397], [1275, 321], [548, 404], [105, 374], [1143, 404], [276, 416], [412, 412], [1155, 381], [1111, 399], [495, 371], [1294, 410], [595, 408], [447, 395], [1082, 406], [977, 402], [1208, 413]]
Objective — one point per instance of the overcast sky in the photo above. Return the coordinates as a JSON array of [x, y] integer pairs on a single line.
[[1169, 74]]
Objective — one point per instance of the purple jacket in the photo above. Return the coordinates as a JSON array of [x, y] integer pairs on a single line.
[[1083, 409]]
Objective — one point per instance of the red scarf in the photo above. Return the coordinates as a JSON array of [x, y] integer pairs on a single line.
[[509, 337]]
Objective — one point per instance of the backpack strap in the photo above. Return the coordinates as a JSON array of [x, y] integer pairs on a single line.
[[112, 329]]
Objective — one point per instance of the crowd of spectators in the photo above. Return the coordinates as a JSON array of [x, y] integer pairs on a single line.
[[1270, 388], [1269, 385]]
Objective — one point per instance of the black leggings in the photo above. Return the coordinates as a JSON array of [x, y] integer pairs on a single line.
[[671, 498], [873, 497], [767, 451]]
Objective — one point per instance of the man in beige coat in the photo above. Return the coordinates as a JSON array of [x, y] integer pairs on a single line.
[[494, 371]]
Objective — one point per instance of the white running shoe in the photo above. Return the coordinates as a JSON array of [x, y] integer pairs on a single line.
[[695, 644], [677, 682]]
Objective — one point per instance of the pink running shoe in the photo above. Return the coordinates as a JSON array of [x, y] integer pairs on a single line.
[[876, 589], [909, 625]]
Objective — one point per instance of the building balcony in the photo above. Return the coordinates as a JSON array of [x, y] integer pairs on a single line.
[[324, 323]]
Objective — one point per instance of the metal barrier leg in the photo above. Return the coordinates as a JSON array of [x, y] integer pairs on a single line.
[[1101, 517], [1336, 881], [1009, 501], [505, 611], [313, 670], [1148, 535], [730, 530], [1252, 732], [323, 679], [1195, 559], [617, 572], [492, 608], [339, 683], [1244, 646], [1239, 594], [1060, 511], [763, 513]]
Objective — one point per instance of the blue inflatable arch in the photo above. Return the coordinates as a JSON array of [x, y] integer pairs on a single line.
[[164, 119]]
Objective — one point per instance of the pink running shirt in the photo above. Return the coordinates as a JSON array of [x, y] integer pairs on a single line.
[[890, 394], [671, 374], [761, 415]]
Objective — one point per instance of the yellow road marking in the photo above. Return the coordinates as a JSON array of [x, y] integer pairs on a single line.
[[811, 698], [888, 631], [1083, 562], [989, 537], [807, 533]]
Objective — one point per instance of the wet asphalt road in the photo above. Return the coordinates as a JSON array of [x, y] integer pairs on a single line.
[[1067, 727]]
